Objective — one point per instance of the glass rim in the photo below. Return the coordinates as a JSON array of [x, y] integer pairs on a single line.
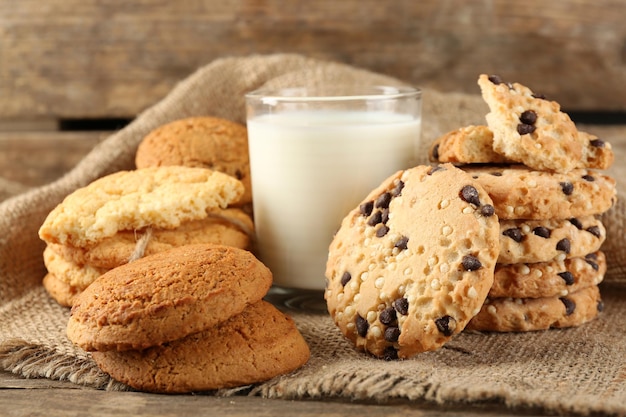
[[297, 94]]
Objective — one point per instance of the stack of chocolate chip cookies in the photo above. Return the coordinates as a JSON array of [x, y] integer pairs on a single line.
[[544, 178]]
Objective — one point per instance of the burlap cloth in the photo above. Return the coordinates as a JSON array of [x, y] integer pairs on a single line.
[[579, 370]]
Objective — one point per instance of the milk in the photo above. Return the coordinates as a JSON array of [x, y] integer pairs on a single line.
[[309, 169]]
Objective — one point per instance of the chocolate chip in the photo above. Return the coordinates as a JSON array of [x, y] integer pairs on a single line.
[[397, 190], [382, 231], [384, 215], [392, 334], [361, 326], [600, 305], [496, 79], [471, 263], [524, 129], [539, 96], [595, 230], [570, 305], [567, 277], [444, 324], [387, 316], [436, 169], [383, 200], [366, 208], [487, 210], [345, 278], [496, 174], [576, 223], [529, 117], [588, 178], [594, 265], [390, 353], [541, 231], [515, 234], [377, 217], [567, 187], [470, 194], [564, 245], [402, 306], [436, 152], [402, 243], [592, 256], [598, 143]]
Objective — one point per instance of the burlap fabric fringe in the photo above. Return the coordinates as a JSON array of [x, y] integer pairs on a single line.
[[579, 370]]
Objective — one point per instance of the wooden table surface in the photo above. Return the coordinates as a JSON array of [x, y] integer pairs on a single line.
[[31, 159]]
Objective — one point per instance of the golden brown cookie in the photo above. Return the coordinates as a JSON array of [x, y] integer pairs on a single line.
[[548, 279], [413, 263], [530, 241], [466, 145], [519, 192], [228, 227], [254, 346], [474, 144], [166, 296], [528, 314], [597, 153], [76, 275], [60, 291], [162, 197], [529, 129], [206, 142]]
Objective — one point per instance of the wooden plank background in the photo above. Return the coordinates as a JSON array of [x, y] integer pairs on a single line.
[[76, 59]]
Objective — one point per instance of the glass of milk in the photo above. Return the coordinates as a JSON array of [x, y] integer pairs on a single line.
[[315, 153]]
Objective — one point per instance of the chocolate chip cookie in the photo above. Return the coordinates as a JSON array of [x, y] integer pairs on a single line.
[[413, 262], [530, 129], [474, 145], [466, 145], [548, 279], [529, 314], [530, 241], [519, 192]]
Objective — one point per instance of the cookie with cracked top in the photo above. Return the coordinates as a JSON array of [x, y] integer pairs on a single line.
[[203, 141], [530, 314], [258, 344], [548, 279], [166, 296], [519, 192], [411, 265], [474, 145], [161, 197], [528, 128], [530, 241]]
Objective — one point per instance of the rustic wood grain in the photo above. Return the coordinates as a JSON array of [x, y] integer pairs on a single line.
[[78, 59], [37, 158], [40, 397]]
